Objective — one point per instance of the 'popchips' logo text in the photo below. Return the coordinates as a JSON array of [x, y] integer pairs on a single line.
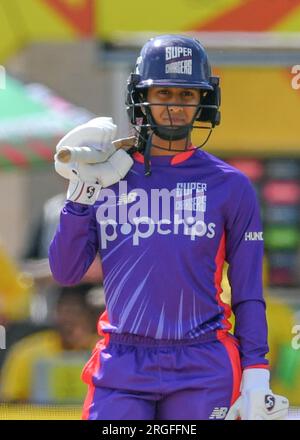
[[140, 214], [145, 227]]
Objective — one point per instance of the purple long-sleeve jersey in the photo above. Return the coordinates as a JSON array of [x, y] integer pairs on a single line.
[[163, 241]]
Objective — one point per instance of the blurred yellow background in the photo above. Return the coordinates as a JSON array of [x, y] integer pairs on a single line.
[[65, 61]]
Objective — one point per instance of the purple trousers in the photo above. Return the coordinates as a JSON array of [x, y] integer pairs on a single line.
[[136, 378]]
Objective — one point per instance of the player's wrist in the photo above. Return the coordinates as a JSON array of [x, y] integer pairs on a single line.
[[255, 378], [85, 193]]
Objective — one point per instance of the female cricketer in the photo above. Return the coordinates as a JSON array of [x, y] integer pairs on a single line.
[[164, 217]]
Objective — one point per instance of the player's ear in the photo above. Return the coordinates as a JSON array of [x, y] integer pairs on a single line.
[[203, 93], [143, 95], [143, 98]]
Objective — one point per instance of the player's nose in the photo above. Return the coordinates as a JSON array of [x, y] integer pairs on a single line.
[[175, 108]]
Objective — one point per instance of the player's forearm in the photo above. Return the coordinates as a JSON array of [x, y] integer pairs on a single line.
[[251, 331], [74, 245]]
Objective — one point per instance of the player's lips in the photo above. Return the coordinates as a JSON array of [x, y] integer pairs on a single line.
[[174, 121]]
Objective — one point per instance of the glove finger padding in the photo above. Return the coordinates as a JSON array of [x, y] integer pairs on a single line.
[[106, 173], [259, 404], [109, 172], [121, 162], [86, 154], [66, 170], [97, 133]]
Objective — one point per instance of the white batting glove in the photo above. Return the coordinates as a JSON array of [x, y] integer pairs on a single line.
[[83, 192], [257, 401], [86, 179], [97, 133], [105, 173]]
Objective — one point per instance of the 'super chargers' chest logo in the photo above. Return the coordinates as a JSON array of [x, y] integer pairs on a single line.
[[179, 60]]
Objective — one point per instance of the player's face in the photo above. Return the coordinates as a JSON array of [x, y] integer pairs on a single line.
[[177, 113]]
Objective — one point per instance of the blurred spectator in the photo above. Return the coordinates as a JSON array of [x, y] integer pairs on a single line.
[[15, 290], [284, 360], [42, 233], [45, 367]]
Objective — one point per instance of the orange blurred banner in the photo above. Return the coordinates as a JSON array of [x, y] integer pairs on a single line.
[[23, 22]]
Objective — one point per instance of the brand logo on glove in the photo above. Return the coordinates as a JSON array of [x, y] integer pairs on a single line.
[[90, 191], [269, 402]]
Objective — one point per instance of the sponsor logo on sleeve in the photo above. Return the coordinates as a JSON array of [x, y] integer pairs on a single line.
[[254, 236]]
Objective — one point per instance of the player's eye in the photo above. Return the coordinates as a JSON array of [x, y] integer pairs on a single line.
[[163, 92], [189, 94]]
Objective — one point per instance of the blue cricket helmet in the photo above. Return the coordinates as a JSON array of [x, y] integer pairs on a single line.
[[173, 61]]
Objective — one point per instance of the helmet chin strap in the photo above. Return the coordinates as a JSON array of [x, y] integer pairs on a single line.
[[147, 155], [172, 132], [164, 132]]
